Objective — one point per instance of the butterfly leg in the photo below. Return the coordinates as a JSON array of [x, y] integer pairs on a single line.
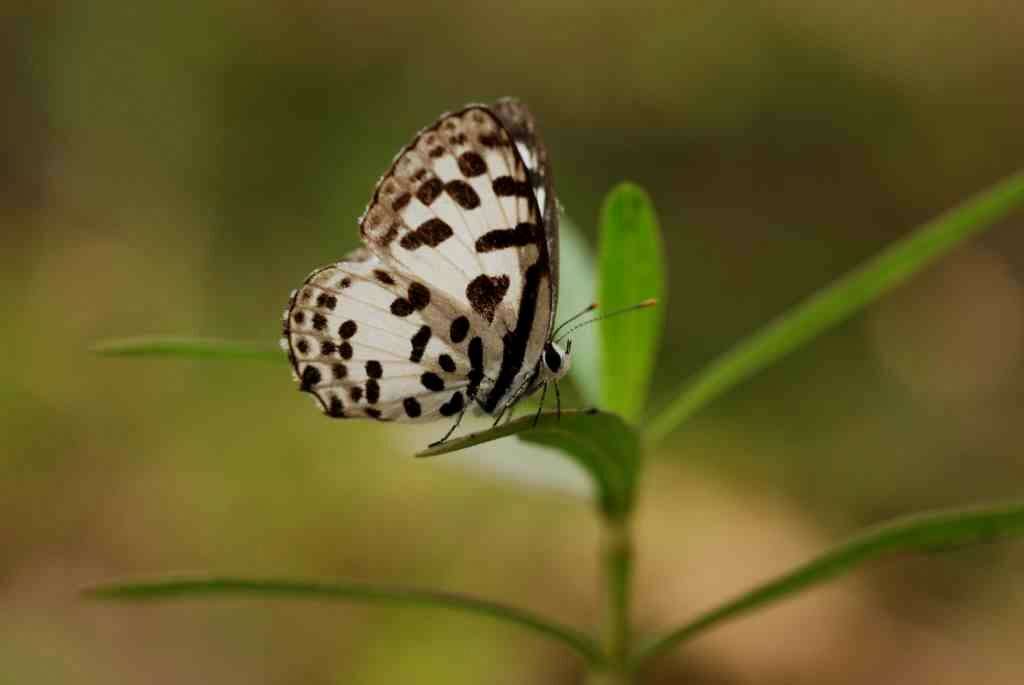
[[540, 406], [451, 430], [558, 402]]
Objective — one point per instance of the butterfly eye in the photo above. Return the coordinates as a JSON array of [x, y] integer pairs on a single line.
[[552, 359]]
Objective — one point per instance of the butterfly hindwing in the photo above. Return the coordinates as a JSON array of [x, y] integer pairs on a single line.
[[369, 342]]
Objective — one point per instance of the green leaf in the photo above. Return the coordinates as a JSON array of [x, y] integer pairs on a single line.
[[604, 445], [576, 291], [631, 271], [198, 588], [840, 300], [188, 348], [922, 532]]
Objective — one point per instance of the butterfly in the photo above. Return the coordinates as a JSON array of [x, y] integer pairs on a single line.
[[451, 301]]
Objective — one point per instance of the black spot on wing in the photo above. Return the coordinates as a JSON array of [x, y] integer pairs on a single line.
[[401, 307], [431, 381], [345, 350], [401, 201], [384, 277], [419, 344], [485, 293], [506, 186], [410, 241], [319, 321], [476, 353], [452, 406], [310, 377], [432, 232], [419, 298], [412, 407], [326, 301], [429, 191], [339, 371], [502, 238], [459, 329], [476, 364], [471, 164], [446, 363], [335, 408], [372, 391], [419, 295], [374, 369], [463, 194], [348, 329]]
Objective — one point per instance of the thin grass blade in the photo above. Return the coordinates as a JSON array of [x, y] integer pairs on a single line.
[[205, 588], [840, 300], [188, 348], [928, 532]]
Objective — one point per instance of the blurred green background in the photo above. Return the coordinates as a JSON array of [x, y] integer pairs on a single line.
[[180, 167]]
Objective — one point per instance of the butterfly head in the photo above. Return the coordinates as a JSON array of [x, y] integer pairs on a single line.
[[554, 362]]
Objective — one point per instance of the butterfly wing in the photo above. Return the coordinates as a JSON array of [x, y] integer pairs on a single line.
[[520, 124], [457, 208], [453, 297], [367, 341]]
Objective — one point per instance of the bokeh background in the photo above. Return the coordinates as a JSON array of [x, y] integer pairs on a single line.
[[178, 167]]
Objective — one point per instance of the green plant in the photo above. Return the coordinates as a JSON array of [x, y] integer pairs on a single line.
[[610, 444]]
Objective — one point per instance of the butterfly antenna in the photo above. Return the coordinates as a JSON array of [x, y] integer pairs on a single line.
[[572, 318], [640, 305]]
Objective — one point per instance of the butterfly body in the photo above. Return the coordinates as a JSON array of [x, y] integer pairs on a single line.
[[451, 302]]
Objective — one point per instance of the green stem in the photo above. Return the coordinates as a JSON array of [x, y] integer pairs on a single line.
[[617, 561]]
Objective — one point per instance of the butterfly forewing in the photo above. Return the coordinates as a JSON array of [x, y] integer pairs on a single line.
[[518, 121], [452, 300]]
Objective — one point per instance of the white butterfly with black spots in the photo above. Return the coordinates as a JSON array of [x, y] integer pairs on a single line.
[[452, 300]]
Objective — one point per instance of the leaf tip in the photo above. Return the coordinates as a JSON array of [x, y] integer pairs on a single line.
[[103, 348], [97, 592]]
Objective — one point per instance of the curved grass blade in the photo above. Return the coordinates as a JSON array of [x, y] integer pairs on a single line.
[[932, 531], [631, 271], [198, 588], [840, 300], [188, 348], [602, 444]]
